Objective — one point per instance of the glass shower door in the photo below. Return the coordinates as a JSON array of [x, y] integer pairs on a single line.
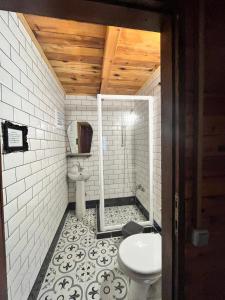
[[119, 130], [118, 161]]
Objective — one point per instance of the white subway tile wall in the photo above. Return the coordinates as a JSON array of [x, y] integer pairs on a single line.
[[152, 87], [141, 152], [34, 182], [83, 108], [119, 173], [118, 148]]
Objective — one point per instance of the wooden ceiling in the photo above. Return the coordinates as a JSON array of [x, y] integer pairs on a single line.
[[89, 59]]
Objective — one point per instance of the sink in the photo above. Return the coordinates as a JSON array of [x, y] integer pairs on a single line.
[[78, 175]]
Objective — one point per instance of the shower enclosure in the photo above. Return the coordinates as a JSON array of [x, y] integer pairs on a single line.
[[125, 160]]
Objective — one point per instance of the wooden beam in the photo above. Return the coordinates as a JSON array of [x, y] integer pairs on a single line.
[[167, 158], [88, 11], [39, 48], [200, 113], [111, 43]]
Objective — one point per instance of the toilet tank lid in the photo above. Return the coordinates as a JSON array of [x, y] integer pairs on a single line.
[[142, 253]]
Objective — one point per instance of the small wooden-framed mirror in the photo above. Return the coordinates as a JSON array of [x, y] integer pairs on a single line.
[[80, 137], [85, 133]]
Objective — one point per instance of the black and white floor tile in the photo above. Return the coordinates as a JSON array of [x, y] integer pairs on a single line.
[[115, 215], [82, 267]]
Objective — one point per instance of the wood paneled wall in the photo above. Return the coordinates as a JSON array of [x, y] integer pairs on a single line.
[[205, 267]]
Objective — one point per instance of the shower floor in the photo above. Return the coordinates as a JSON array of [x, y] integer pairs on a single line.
[[116, 215]]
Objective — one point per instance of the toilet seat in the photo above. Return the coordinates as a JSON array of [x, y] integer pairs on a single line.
[[141, 253]]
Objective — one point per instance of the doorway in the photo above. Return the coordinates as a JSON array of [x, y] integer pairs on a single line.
[[3, 283], [168, 93]]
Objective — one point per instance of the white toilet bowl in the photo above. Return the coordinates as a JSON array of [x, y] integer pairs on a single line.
[[139, 257]]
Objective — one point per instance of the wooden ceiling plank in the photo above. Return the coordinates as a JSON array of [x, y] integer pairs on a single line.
[[119, 68], [72, 50], [39, 48], [72, 64], [78, 79], [78, 72], [119, 73], [111, 42], [74, 58], [65, 26], [65, 39], [134, 77], [69, 92], [134, 63], [91, 58], [121, 83], [142, 57], [132, 49], [118, 91], [140, 37], [82, 90], [81, 81], [125, 87]]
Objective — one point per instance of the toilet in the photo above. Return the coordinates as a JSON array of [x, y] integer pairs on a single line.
[[139, 257]]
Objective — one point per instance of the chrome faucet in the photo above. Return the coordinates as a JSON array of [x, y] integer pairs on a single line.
[[80, 169]]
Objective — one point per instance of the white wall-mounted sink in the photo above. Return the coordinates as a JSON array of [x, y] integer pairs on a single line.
[[78, 175]]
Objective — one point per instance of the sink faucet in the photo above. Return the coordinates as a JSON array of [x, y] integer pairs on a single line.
[[80, 169]]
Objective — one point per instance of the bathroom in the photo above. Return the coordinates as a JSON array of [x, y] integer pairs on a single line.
[[68, 192]]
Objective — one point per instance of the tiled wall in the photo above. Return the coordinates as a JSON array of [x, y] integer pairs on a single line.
[[119, 177], [142, 152], [35, 188], [152, 87], [84, 109], [118, 148]]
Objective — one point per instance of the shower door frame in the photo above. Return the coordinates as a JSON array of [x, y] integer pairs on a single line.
[[101, 97]]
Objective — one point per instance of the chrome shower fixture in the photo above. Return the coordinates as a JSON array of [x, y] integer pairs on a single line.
[[140, 188]]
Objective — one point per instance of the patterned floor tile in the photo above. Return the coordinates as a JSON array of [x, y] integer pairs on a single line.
[[109, 284], [115, 215], [82, 267]]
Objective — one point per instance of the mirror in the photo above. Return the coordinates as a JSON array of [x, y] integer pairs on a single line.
[[80, 137]]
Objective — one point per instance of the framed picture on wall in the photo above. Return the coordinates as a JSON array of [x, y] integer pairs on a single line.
[[14, 137]]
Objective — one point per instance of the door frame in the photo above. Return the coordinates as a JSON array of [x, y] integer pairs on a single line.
[[3, 277], [157, 18]]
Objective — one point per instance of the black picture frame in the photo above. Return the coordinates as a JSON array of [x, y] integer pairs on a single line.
[[5, 134]]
